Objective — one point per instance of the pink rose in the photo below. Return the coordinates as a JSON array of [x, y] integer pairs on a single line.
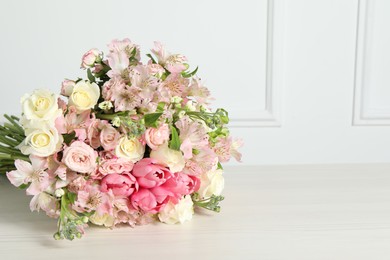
[[109, 137], [93, 132], [67, 87], [146, 201], [156, 137], [80, 157], [116, 165], [120, 184], [149, 174], [90, 57]]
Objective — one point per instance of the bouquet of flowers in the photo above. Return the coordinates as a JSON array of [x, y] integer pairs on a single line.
[[134, 143]]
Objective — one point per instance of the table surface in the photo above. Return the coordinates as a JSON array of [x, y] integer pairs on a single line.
[[270, 212]]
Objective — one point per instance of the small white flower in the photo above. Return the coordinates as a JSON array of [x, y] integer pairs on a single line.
[[59, 193], [179, 213], [116, 121], [106, 105]]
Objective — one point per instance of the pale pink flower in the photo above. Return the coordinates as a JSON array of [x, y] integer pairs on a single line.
[[80, 157], [160, 52], [122, 185], [236, 144], [109, 137], [118, 57], [193, 135], [149, 174], [94, 132], [91, 198], [198, 91], [155, 69], [47, 203], [155, 137], [90, 57], [112, 86], [145, 82], [127, 98], [125, 46], [77, 184], [118, 62], [173, 85], [116, 165], [192, 168], [34, 173], [74, 122], [124, 212], [204, 161], [226, 147], [67, 87], [174, 63]]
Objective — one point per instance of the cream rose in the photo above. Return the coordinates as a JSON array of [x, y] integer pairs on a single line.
[[85, 95], [168, 157], [131, 149], [41, 105], [179, 213], [41, 142], [80, 157], [211, 182]]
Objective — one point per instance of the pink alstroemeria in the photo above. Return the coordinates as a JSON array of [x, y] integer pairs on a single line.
[[34, 173], [193, 134]]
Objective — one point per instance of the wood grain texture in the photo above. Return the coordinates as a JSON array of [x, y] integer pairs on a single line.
[[270, 212]]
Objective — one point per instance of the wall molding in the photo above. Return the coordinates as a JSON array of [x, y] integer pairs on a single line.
[[271, 114], [362, 115]]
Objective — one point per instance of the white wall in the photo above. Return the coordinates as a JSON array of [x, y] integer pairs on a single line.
[[306, 81]]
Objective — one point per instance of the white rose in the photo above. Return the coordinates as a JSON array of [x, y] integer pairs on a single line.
[[41, 142], [211, 182], [179, 213], [85, 95], [168, 157], [41, 105], [131, 149]]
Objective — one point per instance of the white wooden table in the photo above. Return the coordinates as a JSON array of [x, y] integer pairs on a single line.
[[270, 212]]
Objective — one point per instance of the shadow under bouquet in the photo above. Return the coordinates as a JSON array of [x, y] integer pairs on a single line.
[[131, 144]]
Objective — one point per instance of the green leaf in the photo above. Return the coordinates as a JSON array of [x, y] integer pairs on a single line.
[[174, 144], [219, 166], [23, 186], [160, 107], [69, 137], [90, 76], [71, 197], [190, 74], [151, 119], [151, 57]]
